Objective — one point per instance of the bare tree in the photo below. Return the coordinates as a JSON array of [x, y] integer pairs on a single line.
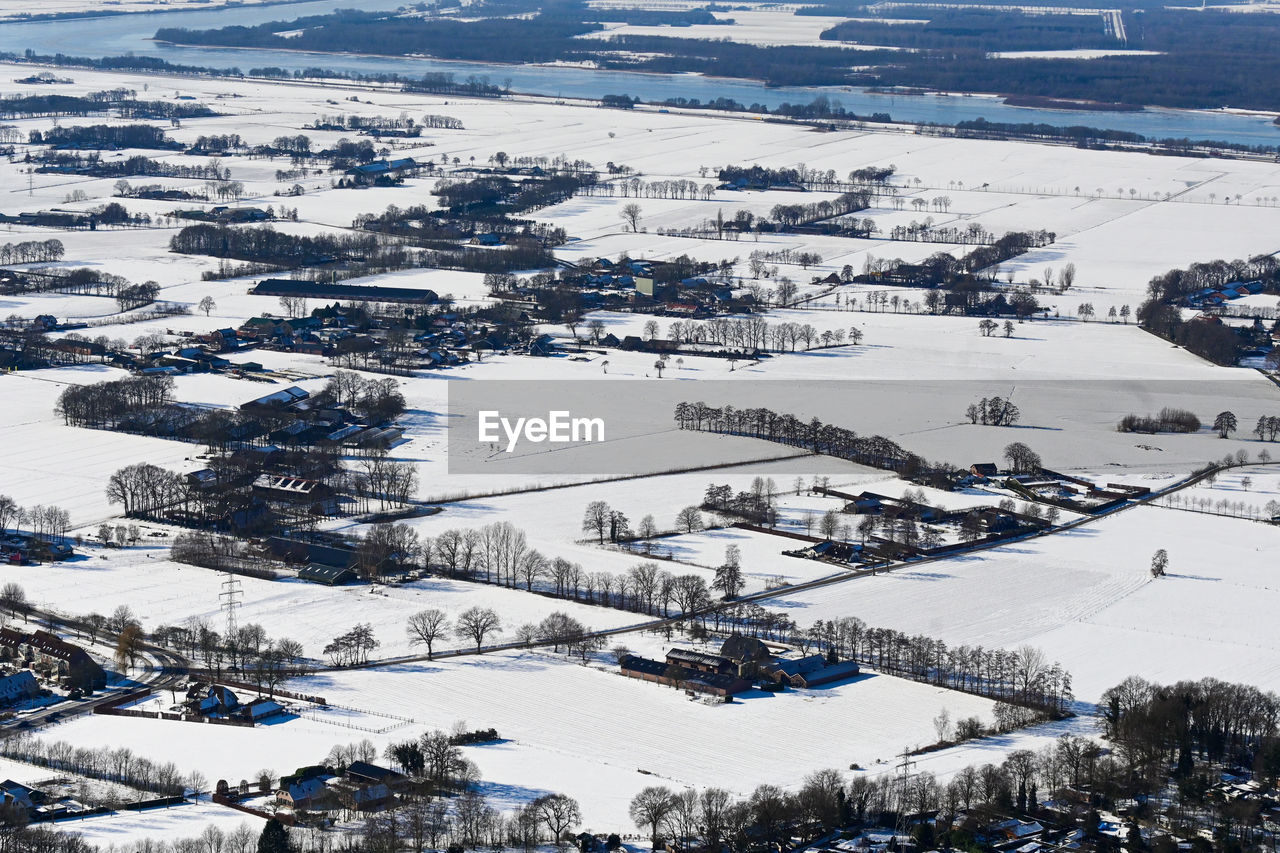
[[596, 519], [689, 520], [1022, 459], [559, 813], [425, 627], [650, 808], [476, 623], [13, 597], [631, 214]]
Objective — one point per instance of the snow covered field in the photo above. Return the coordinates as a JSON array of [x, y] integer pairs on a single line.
[[1084, 596], [15, 10], [585, 731], [162, 592], [1185, 209], [1087, 598], [764, 27], [169, 824]]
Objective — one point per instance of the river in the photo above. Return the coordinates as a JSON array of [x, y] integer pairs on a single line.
[[131, 33]]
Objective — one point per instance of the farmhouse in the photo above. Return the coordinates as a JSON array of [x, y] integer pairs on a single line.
[[745, 651], [278, 399], [296, 491], [23, 796], [811, 671], [17, 687], [306, 790], [206, 699], [372, 774], [701, 662], [659, 672], [327, 575]]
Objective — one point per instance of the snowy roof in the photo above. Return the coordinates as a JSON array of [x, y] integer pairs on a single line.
[[292, 485], [292, 394]]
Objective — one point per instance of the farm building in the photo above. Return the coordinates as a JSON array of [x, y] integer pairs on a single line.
[[660, 672], [811, 671], [344, 292], [17, 687]]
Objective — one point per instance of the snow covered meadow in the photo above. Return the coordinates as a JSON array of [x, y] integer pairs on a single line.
[[1084, 595], [1087, 598]]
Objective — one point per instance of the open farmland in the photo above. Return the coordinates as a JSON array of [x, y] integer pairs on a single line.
[[302, 486], [1104, 618]]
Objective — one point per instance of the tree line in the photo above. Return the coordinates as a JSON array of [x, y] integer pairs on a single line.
[[120, 765], [104, 136], [136, 165], [267, 245], [813, 435], [97, 103], [45, 522], [31, 252]]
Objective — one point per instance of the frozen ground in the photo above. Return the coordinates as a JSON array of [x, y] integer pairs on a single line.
[[764, 27], [162, 592], [1069, 54], [587, 732], [1087, 598], [168, 824], [1184, 209]]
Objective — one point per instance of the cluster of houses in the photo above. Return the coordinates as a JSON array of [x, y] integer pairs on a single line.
[[1216, 297], [262, 465], [382, 173], [53, 658], [361, 787], [448, 339], [224, 215], [741, 664], [650, 286], [207, 700], [19, 549], [1073, 493], [329, 562], [53, 218], [984, 524], [307, 422]]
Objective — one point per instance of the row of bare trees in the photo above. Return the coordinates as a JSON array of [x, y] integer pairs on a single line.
[[31, 252], [119, 764], [248, 650], [46, 522], [875, 451]]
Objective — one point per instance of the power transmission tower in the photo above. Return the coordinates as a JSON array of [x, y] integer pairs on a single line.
[[229, 600], [904, 768]]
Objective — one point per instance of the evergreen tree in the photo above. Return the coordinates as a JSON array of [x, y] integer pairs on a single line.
[[274, 838]]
